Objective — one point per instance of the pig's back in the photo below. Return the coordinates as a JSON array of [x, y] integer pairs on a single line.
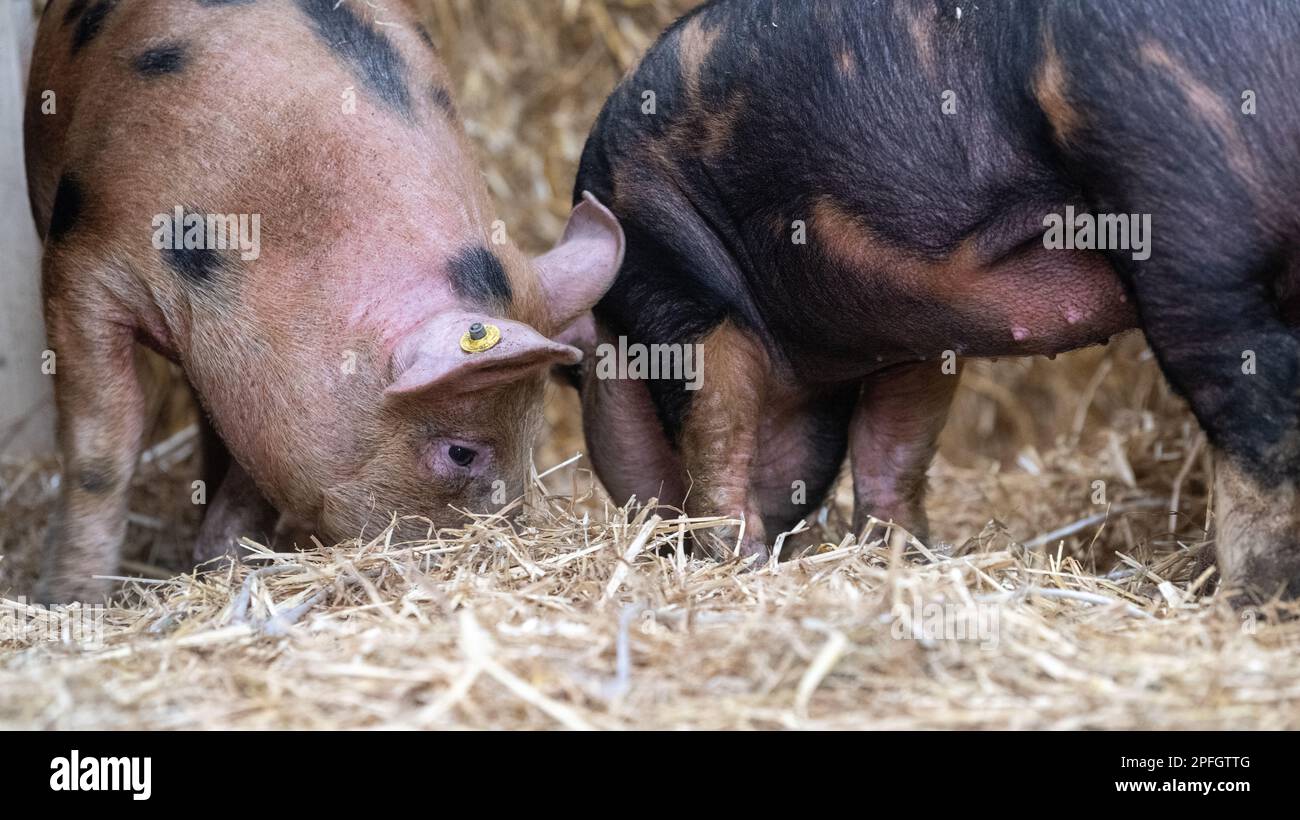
[[235, 105], [332, 128]]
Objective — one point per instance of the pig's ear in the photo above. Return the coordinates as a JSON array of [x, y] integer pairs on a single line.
[[434, 355], [578, 270]]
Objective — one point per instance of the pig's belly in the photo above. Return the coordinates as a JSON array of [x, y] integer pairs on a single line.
[[1040, 302], [1033, 302]]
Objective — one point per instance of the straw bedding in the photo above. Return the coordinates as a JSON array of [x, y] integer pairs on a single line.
[[1059, 592]]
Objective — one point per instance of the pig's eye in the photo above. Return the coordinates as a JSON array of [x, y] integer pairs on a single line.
[[462, 456]]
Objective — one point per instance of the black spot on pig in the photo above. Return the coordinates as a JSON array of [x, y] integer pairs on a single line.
[[74, 10], [424, 34], [368, 53], [156, 62], [442, 99], [478, 276], [69, 202], [90, 24], [196, 265], [96, 478]]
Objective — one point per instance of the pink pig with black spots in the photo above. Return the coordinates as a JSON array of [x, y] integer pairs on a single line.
[[277, 195]]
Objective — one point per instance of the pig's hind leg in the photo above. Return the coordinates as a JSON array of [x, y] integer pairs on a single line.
[[895, 430], [1205, 287], [1222, 344], [101, 414]]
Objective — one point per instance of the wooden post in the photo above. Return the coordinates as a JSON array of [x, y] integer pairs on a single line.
[[26, 407]]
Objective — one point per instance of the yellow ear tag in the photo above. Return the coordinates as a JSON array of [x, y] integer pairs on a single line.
[[480, 338]]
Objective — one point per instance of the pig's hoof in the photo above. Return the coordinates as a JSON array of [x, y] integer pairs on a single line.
[[62, 590], [1258, 552], [1204, 560], [207, 559], [719, 544], [217, 553], [756, 551], [1263, 577], [214, 563]]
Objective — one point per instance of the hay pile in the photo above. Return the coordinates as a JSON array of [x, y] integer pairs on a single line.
[[599, 621], [1048, 600]]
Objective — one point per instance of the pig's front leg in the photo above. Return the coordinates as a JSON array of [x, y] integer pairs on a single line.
[[719, 439], [895, 430], [629, 449], [101, 409], [239, 509]]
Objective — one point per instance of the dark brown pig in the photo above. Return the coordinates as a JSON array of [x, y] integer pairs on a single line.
[[278, 196], [839, 200]]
